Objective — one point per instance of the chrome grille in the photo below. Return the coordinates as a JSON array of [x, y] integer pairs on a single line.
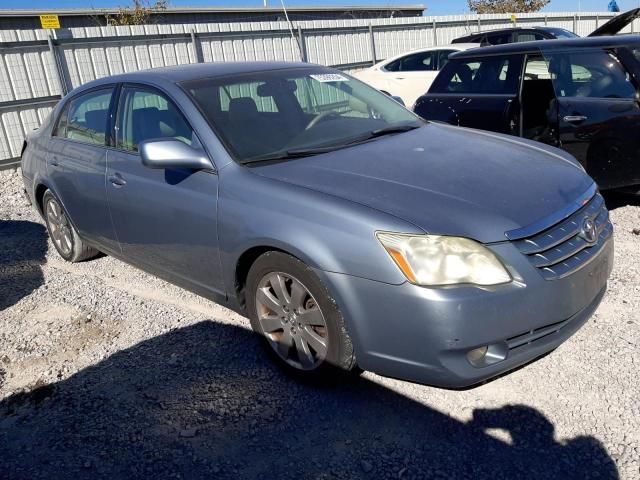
[[563, 248]]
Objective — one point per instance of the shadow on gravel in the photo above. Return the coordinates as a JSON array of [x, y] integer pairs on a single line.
[[23, 246], [203, 402]]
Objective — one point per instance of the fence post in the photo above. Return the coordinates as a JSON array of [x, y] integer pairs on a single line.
[[303, 45], [545, 20], [372, 40], [597, 20], [479, 24], [575, 23], [435, 33], [197, 48], [58, 59]]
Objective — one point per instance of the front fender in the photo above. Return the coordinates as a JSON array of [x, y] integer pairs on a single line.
[[325, 232]]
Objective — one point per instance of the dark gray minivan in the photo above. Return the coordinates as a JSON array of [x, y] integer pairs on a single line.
[[349, 231]]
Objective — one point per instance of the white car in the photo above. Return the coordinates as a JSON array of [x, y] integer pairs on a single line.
[[410, 74]]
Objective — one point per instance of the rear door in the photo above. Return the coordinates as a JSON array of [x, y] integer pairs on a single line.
[[480, 92], [76, 163], [165, 219], [598, 112]]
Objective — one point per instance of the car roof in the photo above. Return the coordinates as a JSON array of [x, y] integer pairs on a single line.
[[539, 45], [451, 46], [183, 73], [513, 29]]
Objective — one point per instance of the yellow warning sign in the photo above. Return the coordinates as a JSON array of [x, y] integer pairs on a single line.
[[513, 18], [49, 21]]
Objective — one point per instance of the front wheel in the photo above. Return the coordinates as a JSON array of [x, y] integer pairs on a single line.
[[62, 233], [293, 310]]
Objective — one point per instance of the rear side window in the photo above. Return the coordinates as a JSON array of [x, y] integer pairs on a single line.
[[490, 75], [529, 37], [591, 73], [443, 58], [147, 114], [84, 118]]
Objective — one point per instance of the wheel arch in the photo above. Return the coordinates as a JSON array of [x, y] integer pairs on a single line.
[[249, 256]]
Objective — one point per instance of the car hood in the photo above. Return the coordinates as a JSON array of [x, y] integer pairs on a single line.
[[445, 180], [617, 23]]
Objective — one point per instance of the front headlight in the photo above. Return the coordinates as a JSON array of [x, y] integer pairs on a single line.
[[432, 260]]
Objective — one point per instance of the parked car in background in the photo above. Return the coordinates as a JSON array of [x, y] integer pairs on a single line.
[[580, 95], [410, 74], [348, 230], [530, 34], [514, 35]]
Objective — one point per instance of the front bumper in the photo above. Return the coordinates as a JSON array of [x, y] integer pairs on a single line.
[[424, 334]]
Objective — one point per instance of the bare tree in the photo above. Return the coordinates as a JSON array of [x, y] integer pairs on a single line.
[[138, 13], [506, 6]]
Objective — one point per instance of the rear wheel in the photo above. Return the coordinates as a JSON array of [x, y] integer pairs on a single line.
[[64, 236], [293, 310]]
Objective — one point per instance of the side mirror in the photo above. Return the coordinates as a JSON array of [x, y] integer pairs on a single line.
[[170, 153]]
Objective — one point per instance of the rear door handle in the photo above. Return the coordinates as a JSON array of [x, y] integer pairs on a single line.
[[575, 118], [117, 180]]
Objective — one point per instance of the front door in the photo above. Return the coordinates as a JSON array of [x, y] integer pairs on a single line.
[[76, 162], [165, 219], [598, 113]]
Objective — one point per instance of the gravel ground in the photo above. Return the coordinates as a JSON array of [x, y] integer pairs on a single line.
[[106, 371]]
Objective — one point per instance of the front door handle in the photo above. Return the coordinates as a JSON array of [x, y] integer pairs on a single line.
[[117, 180], [575, 118]]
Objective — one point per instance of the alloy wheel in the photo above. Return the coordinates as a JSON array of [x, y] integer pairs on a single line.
[[292, 321], [59, 227]]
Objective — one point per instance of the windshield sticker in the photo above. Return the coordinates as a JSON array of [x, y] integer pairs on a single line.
[[329, 77]]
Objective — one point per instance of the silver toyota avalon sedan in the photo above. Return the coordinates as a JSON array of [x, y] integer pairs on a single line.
[[350, 232]]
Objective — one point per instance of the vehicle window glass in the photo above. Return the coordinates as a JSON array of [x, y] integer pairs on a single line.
[[145, 114], [592, 73], [529, 37], [84, 119], [418, 62], [443, 57], [491, 75], [314, 107], [393, 66], [246, 90], [499, 38], [537, 69]]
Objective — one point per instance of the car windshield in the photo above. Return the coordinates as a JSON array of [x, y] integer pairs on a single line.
[[295, 112]]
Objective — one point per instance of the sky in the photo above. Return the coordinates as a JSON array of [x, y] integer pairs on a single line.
[[434, 7]]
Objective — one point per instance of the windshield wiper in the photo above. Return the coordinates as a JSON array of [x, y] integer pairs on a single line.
[[308, 152]]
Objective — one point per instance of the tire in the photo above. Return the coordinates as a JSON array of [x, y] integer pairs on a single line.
[[63, 234], [302, 318]]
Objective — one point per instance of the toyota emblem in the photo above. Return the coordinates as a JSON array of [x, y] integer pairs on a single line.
[[589, 232]]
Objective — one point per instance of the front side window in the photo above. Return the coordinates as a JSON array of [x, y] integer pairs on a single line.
[[490, 75], [593, 73], [310, 108], [499, 38], [416, 62], [147, 114], [84, 118]]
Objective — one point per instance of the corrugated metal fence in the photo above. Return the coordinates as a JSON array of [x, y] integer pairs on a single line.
[[37, 67]]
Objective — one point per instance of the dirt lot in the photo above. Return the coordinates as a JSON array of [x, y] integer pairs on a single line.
[[108, 372]]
